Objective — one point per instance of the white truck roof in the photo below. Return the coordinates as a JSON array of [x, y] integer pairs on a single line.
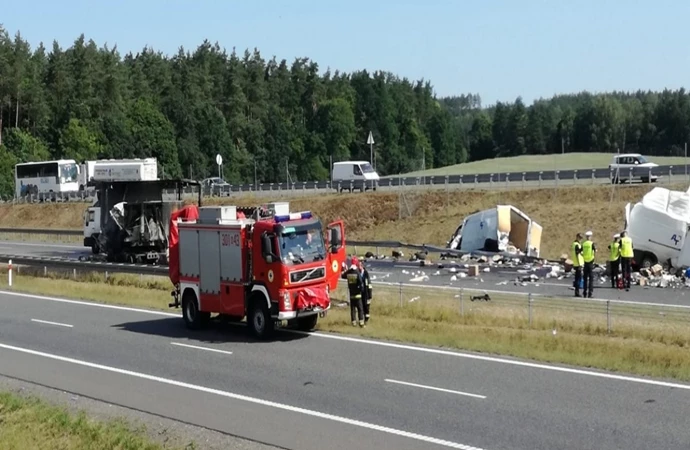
[[675, 204], [342, 163]]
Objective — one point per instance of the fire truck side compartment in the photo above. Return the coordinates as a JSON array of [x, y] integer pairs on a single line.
[[189, 254]]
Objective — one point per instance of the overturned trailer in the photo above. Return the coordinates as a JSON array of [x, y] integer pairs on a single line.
[[503, 229], [136, 226]]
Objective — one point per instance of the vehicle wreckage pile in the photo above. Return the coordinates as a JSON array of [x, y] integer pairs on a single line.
[[526, 273]]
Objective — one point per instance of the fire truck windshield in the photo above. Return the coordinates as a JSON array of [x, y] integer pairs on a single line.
[[299, 245]]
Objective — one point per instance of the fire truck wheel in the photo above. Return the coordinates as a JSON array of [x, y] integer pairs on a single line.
[[194, 318], [307, 323], [259, 318]]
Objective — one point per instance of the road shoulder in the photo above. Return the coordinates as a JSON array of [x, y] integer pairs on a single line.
[[166, 432]]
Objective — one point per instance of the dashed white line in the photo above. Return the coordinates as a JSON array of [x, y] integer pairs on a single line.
[[432, 388], [272, 404], [201, 348], [66, 325]]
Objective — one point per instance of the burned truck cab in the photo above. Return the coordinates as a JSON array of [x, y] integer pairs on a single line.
[[134, 218]]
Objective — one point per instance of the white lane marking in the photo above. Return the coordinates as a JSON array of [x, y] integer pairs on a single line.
[[295, 409], [385, 344], [88, 303], [201, 348], [53, 323], [499, 360], [432, 388]]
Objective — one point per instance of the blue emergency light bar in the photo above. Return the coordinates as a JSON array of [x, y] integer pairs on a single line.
[[293, 216]]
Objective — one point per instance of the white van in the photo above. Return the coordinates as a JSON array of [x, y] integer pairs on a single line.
[[354, 175]]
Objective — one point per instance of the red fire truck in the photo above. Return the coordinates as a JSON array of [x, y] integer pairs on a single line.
[[263, 263]]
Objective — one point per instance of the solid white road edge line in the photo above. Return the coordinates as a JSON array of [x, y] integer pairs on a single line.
[[384, 344], [90, 303], [434, 388], [245, 398], [53, 323], [201, 348]]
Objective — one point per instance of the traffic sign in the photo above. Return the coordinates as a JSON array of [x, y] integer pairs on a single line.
[[219, 159], [370, 139]]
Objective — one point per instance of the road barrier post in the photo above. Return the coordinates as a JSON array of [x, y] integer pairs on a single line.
[[608, 316], [400, 290], [462, 302], [9, 272]]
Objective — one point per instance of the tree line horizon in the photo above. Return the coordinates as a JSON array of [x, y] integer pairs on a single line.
[[88, 102]]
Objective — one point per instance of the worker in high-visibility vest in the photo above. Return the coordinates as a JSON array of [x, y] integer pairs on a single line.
[[576, 258], [589, 251], [614, 260], [627, 253]]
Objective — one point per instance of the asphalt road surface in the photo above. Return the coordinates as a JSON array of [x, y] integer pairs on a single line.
[[500, 278], [317, 391]]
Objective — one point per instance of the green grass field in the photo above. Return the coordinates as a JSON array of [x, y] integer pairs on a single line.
[[30, 423], [538, 162]]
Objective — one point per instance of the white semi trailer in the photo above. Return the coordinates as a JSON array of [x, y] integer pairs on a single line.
[[112, 170]]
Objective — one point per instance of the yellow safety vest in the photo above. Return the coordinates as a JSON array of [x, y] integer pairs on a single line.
[[615, 251], [577, 258], [588, 251], [626, 247]]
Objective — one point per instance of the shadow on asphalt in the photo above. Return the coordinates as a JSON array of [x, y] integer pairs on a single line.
[[216, 331]]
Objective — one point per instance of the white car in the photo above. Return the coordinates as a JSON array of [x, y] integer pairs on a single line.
[[216, 186], [621, 164]]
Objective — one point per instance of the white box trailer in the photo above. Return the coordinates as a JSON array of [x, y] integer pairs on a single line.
[[496, 230], [658, 226], [125, 170]]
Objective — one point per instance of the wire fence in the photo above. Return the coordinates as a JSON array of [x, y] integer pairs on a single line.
[[471, 305]]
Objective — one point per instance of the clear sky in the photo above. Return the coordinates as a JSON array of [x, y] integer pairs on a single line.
[[499, 49]]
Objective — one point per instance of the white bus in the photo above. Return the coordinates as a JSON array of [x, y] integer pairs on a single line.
[[46, 176]]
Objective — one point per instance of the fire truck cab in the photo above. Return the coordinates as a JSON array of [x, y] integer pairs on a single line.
[[264, 263]]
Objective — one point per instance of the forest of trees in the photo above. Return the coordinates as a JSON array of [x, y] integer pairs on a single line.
[[88, 101]]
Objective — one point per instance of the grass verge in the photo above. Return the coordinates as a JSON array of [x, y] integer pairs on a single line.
[[650, 340], [29, 423], [527, 163]]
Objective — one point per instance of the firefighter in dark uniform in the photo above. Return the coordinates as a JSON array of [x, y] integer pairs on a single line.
[[356, 288], [366, 299]]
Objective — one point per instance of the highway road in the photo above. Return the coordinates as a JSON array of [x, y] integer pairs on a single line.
[[500, 278], [317, 391]]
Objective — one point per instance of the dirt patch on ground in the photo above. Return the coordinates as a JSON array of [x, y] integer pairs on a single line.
[[424, 217]]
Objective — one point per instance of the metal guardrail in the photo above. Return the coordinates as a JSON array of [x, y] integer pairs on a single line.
[[62, 263], [48, 231], [367, 244], [498, 179]]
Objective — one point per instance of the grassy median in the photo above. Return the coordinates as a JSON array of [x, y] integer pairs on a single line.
[[29, 423], [650, 340]]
